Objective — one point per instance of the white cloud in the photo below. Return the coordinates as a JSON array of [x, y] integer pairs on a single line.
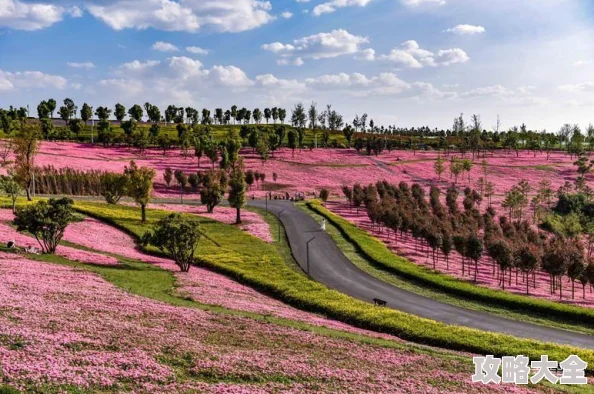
[[136, 65], [19, 15], [416, 3], [30, 80], [581, 63], [319, 46], [366, 54], [197, 50], [494, 90], [357, 84], [580, 87], [463, 30], [184, 15], [333, 5], [410, 55], [270, 81], [84, 65], [287, 15], [162, 46]]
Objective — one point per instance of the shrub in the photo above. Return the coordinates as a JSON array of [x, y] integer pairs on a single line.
[[113, 187], [46, 220], [176, 236]]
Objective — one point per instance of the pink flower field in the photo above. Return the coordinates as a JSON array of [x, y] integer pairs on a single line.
[[8, 233], [64, 326], [200, 284], [310, 171], [406, 248]]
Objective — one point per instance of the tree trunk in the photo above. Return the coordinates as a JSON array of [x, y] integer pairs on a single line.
[[238, 217], [143, 211]]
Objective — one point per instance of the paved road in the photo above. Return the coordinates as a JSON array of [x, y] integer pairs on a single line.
[[329, 266]]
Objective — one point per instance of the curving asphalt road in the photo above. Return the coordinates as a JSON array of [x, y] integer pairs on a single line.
[[329, 266]]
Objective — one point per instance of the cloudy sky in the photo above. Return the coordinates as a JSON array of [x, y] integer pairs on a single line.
[[404, 62]]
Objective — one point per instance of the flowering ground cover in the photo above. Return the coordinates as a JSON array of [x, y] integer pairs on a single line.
[[486, 277], [63, 328], [8, 233], [309, 171], [199, 284]]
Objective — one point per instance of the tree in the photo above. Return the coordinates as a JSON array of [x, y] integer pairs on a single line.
[[11, 188], [324, 195], [181, 178], [120, 112], [75, 125], [136, 112], [86, 112], [168, 176], [348, 134], [575, 264], [46, 221], [249, 178], [113, 187], [474, 251], [139, 185], [213, 189], [282, 114], [292, 141], [257, 115], [439, 166], [267, 114], [103, 113], [51, 106], [43, 110], [26, 147], [178, 237], [312, 114], [555, 262], [527, 258], [237, 191], [105, 132]]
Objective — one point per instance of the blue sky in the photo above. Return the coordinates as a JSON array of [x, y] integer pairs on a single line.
[[404, 62]]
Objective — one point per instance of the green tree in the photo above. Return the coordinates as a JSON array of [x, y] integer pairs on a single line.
[[136, 112], [213, 189], [324, 195], [86, 113], [439, 166], [348, 133], [120, 112], [46, 221], [292, 141], [26, 147], [139, 185], [11, 188], [113, 187], [168, 176], [237, 191], [43, 110], [178, 237], [51, 106]]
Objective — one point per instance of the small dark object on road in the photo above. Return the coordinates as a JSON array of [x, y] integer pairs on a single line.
[[379, 302]]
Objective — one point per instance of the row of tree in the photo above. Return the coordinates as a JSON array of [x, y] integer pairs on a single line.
[[511, 245]]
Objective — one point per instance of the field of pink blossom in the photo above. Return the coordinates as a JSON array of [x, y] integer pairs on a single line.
[[486, 277], [309, 171], [65, 326], [200, 284], [8, 233]]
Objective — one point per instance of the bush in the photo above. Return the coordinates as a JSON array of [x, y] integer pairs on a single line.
[[46, 220], [113, 187]]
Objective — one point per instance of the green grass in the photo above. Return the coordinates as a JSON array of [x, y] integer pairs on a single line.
[[351, 251], [256, 263], [376, 251]]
